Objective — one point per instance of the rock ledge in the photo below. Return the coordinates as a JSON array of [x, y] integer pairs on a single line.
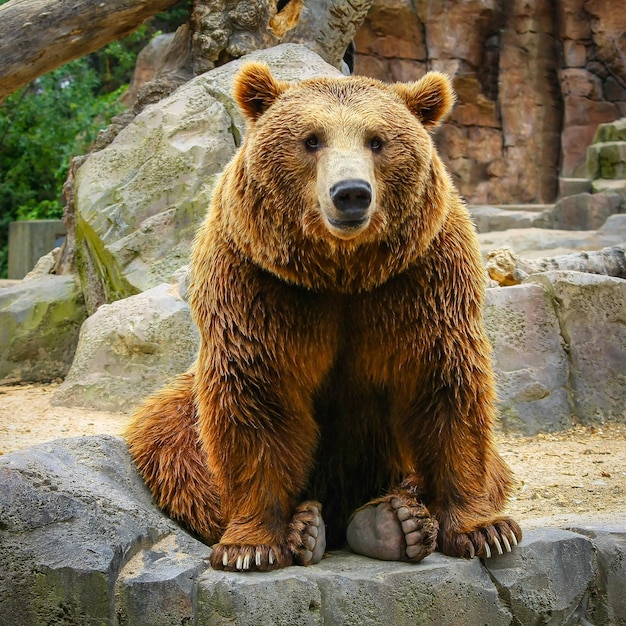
[[82, 543]]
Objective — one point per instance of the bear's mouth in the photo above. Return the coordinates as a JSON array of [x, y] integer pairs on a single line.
[[349, 225]]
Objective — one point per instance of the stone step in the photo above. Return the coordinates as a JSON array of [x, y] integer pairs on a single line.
[[504, 217], [573, 186], [607, 160], [532, 208], [602, 185]]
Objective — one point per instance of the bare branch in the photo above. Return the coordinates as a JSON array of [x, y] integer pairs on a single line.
[[37, 36]]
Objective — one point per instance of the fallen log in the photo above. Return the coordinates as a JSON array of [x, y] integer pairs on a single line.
[[507, 268]]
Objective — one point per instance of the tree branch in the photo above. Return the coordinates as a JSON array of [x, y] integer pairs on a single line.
[[37, 36]]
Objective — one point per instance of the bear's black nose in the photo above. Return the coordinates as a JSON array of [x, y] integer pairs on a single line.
[[351, 198]]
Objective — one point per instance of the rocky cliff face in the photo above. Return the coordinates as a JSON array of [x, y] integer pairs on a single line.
[[534, 79]]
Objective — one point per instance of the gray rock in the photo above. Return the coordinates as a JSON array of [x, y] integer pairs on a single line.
[[602, 185], [615, 228], [72, 513], [609, 601], [585, 211], [573, 186], [39, 324], [82, 543], [592, 317], [547, 579], [157, 585], [128, 349], [530, 362], [140, 200], [534, 243], [349, 589]]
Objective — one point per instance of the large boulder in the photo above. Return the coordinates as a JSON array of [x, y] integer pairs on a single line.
[[39, 324], [73, 514], [559, 350], [529, 359], [82, 543], [139, 201], [130, 348], [592, 318], [586, 211]]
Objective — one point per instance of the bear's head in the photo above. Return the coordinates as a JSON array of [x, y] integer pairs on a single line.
[[331, 168]]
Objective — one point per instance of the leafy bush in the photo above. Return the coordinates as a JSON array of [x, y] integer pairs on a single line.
[[41, 127]]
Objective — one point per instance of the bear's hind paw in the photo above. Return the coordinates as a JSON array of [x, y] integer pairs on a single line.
[[249, 558], [394, 528], [307, 534]]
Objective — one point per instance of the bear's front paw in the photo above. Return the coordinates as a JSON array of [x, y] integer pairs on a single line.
[[393, 529], [489, 540], [249, 558], [307, 534]]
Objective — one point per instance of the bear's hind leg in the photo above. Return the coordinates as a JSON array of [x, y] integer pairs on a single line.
[[163, 443], [396, 527], [307, 534]]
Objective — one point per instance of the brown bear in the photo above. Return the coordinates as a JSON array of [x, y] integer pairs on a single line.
[[337, 285]]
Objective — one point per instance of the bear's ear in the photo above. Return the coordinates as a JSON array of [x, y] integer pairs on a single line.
[[430, 99], [255, 89]]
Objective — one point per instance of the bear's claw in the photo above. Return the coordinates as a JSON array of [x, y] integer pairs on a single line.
[[493, 539], [305, 545], [393, 529], [248, 558]]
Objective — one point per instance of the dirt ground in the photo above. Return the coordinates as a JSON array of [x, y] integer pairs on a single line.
[[570, 478]]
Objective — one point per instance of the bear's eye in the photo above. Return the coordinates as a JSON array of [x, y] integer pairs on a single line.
[[376, 144], [312, 142]]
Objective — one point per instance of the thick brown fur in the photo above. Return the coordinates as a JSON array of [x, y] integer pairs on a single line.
[[337, 364]]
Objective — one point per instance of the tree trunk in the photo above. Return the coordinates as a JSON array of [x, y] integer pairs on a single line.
[[37, 36], [325, 26]]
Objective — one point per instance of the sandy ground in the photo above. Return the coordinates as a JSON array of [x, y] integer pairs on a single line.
[[571, 478]]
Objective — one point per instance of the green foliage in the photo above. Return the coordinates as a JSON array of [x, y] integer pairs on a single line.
[[41, 127], [58, 116]]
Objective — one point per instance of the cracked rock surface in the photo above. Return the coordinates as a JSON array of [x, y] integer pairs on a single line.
[[81, 542]]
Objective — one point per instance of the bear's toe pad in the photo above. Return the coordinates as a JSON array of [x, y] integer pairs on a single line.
[[393, 529]]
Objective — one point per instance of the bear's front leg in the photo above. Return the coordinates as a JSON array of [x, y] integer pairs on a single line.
[[464, 481], [266, 347], [260, 453], [305, 545], [256, 425]]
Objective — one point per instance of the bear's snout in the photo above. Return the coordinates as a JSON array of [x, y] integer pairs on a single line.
[[352, 199]]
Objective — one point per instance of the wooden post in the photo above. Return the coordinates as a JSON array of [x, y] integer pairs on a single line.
[[29, 241]]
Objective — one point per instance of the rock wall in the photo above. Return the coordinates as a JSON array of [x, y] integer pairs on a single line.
[[534, 79]]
